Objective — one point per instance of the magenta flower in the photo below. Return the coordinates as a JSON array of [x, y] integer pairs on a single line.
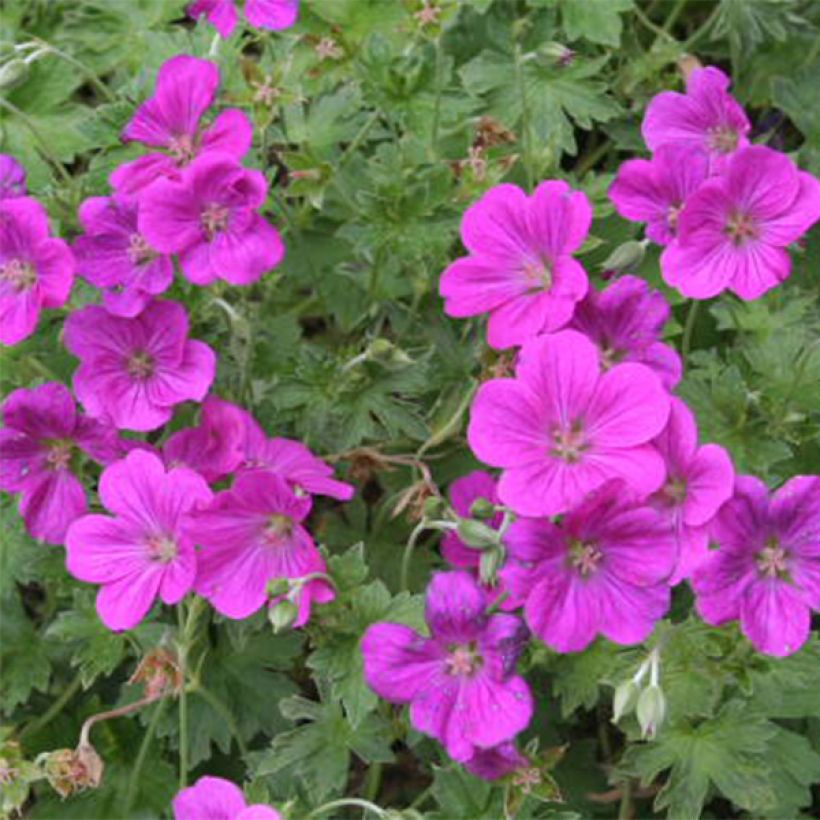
[[603, 571], [626, 321], [209, 217], [706, 118], [40, 442], [655, 190], [142, 551], [460, 682], [222, 14], [212, 798], [12, 177], [520, 269], [113, 256], [734, 229], [766, 570], [561, 428], [134, 371], [216, 447], [463, 492], [36, 269], [497, 761], [250, 535], [699, 481], [170, 119]]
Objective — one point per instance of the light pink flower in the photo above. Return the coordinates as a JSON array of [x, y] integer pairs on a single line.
[[706, 118], [520, 269], [735, 228], [36, 269], [268, 14], [134, 371], [561, 428], [142, 551], [209, 216]]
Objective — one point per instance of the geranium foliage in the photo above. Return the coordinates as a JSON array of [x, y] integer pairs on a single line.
[[409, 409]]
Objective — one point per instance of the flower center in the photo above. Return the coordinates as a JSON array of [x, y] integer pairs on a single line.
[[139, 251], [278, 529], [59, 454], [740, 228], [141, 365], [19, 274], [672, 215], [538, 273], [584, 557], [722, 139], [610, 355], [462, 660], [772, 560], [182, 149], [161, 548], [214, 219], [568, 444], [674, 491], [527, 779]]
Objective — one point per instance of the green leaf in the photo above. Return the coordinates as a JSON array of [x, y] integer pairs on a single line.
[[598, 21], [24, 661]]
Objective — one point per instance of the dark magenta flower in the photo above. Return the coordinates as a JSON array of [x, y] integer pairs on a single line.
[[12, 177], [497, 761], [460, 682], [561, 427], [223, 16], [520, 269], [699, 480], [42, 436], [134, 371], [171, 120], [626, 321], [655, 190], [766, 569], [735, 228], [603, 571], [142, 551], [36, 269], [213, 798], [113, 256], [251, 535], [209, 216], [706, 118]]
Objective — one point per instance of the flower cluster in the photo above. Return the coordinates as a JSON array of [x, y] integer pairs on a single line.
[[725, 210], [267, 14]]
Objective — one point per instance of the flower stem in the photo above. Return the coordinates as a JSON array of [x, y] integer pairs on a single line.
[[525, 119], [133, 780], [349, 801], [408, 553], [689, 327], [56, 707]]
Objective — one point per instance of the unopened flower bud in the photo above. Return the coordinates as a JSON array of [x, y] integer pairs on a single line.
[[277, 587], [651, 710], [282, 615], [477, 535], [625, 258], [624, 700], [490, 563], [482, 508], [558, 52], [13, 73], [384, 351], [72, 770], [433, 506], [159, 671]]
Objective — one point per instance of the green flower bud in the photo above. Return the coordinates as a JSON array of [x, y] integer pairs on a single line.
[[433, 506], [651, 710], [482, 508], [277, 587], [625, 258], [282, 615], [491, 561], [477, 535], [624, 700], [13, 73]]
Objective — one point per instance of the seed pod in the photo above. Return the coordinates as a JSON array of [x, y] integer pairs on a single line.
[[651, 710]]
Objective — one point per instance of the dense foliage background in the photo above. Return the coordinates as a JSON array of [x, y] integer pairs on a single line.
[[376, 124]]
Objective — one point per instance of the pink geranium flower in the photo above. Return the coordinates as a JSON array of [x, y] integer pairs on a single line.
[[734, 230], [626, 321], [603, 571], [223, 16], [212, 798], [171, 120], [706, 118], [460, 682], [114, 256], [766, 570], [251, 535], [142, 551], [497, 761], [134, 371], [40, 442], [209, 216], [520, 269], [561, 428], [12, 177], [699, 481], [36, 269], [655, 190]]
